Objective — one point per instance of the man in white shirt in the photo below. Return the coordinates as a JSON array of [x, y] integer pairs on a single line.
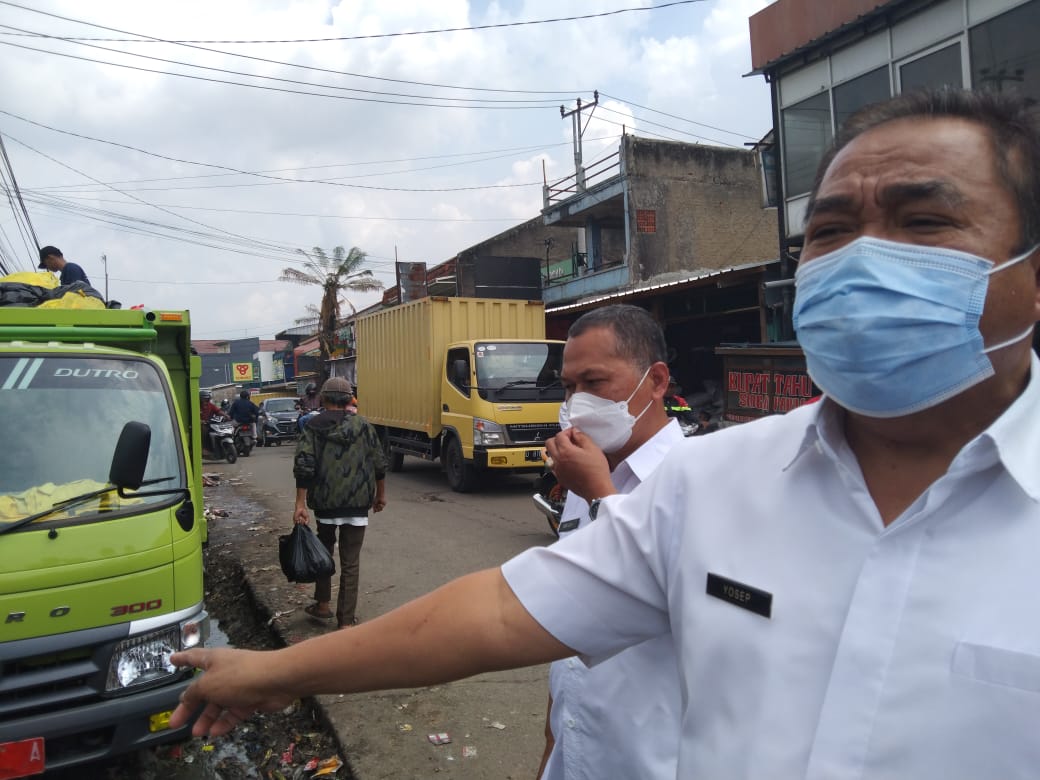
[[849, 586], [614, 355]]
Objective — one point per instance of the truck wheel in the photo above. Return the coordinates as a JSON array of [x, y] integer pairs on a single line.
[[461, 475], [394, 460]]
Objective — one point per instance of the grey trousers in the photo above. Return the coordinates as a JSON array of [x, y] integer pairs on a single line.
[[351, 537]]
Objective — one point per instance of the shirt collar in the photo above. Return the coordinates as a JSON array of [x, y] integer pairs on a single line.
[[648, 457], [1015, 434]]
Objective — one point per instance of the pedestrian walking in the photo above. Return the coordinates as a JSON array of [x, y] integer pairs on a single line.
[[340, 471]]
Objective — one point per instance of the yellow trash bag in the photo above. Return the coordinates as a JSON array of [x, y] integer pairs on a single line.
[[35, 278], [73, 300]]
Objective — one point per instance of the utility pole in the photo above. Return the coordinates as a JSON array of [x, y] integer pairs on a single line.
[[104, 262], [578, 132]]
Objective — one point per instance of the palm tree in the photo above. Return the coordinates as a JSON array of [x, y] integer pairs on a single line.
[[335, 275]]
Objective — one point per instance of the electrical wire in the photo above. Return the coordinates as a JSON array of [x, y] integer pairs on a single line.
[[402, 34], [544, 103], [12, 186], [329, 182], [271, 89], [680, 118]]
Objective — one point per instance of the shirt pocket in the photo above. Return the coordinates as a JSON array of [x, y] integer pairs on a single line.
[[997, 666]]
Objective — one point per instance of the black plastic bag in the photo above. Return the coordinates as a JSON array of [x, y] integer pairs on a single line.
[[303, 557]]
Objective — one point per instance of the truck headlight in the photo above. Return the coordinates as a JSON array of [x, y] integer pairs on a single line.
[[487, 433], [145, 659]]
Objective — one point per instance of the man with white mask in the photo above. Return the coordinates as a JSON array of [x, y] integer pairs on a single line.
[[616, 431]]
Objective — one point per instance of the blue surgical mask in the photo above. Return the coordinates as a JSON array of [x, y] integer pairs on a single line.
[[889, 329]]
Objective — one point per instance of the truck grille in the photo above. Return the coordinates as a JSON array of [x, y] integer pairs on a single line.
[[532, 433], [51, 672]]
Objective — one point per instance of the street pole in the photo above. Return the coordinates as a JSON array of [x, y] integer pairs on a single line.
[[104, 262]]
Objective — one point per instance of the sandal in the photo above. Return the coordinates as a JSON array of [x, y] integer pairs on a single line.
[[312, 610]]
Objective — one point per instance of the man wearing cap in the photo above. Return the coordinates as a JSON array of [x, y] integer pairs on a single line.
[[340, 469], [52, 259]]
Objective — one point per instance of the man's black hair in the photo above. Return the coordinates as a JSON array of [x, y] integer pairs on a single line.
[[639, 337], [1012, 122]]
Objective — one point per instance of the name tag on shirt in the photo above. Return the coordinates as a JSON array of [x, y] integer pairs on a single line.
[[568, 525], [737, 593]]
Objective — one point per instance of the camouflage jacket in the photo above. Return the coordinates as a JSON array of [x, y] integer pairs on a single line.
[[338, 460]]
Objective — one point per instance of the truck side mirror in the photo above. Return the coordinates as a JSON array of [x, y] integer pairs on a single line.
[[131, 456], [460, 372]]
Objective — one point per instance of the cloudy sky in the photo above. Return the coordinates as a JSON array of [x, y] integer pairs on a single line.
[[198, 145]]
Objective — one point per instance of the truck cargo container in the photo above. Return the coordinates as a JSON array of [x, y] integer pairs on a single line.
[[470, 381]]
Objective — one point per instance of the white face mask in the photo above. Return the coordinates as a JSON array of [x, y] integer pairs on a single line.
[[608, 423]]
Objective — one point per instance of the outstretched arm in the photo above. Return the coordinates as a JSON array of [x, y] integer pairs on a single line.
[[471, 625]]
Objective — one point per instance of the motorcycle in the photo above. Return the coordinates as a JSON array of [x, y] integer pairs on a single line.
[[243, 437], [221, 431]]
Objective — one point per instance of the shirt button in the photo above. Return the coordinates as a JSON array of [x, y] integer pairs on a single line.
[[570, 663], [570, 723]]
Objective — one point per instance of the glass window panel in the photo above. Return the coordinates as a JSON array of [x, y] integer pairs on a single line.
[[853, 95], [807, 134], [937, 69], [1005, 52]]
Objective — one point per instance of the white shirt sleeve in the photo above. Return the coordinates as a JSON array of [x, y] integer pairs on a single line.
[[603, 590]]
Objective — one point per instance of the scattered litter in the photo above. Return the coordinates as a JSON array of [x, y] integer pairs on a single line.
[[189, 758], [439, 739], [311, 765], [404, 726], [496, 725], [279, 615], [329, 766], [207, 748], [402, 706], [175, 752], [210, 481], [255, 528], [287, 755], [469, 751]]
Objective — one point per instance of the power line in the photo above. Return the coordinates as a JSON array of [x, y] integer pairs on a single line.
[[151, 39], [681, 119], [543, 103], [12, 186], [270, 89], [29, 194], [399, 34], [329, 182], [447, 155]]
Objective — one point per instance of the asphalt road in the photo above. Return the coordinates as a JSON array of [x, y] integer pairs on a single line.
[[426, 536]]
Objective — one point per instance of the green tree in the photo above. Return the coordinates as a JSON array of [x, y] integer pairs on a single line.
[[342, 272]]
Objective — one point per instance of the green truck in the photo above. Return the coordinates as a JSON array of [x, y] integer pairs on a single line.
[[101, 531]]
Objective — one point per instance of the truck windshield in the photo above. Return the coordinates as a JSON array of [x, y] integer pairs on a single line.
[[519, 371], [62, 419]]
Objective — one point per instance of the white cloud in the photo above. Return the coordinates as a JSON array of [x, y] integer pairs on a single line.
[[684, 60]]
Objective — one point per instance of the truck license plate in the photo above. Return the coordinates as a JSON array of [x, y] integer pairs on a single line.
[[21, 759]]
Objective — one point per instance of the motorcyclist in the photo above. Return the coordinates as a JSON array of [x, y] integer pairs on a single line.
[[245, 412], [206, 410], [675, 405], [311, 401], [309, 405]]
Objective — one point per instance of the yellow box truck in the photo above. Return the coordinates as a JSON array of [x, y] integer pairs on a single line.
[[471, 381]]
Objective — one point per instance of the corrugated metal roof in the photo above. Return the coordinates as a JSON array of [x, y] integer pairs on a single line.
[[650, 286]]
